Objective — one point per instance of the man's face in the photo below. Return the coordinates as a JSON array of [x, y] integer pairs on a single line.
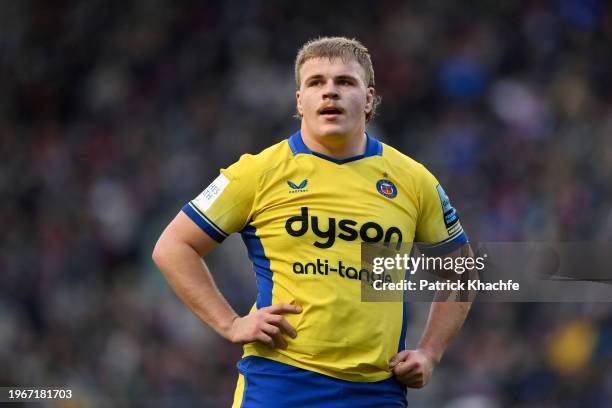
[[333, 98]]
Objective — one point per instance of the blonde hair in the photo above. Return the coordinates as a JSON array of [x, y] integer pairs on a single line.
[[339, 47]]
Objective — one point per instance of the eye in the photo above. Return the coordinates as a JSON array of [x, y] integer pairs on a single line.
[[314, 82]]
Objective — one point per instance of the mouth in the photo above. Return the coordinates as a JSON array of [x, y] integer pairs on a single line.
[[330, 112]]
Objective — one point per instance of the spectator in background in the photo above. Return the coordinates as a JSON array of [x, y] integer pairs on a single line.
[[103, 110]]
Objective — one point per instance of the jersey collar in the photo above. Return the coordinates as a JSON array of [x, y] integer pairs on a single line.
[[373, 148]]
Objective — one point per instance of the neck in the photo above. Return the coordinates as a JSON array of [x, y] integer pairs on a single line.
[[336, 146]]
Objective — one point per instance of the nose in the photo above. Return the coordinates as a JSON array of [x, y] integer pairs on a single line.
[[330, 91]]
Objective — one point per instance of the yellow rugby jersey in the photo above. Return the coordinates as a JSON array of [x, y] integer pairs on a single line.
[[303, 217]]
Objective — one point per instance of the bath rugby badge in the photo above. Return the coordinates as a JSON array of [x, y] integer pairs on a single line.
[[386, 188]]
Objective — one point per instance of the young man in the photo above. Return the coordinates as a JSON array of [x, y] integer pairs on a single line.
[[303, 207]]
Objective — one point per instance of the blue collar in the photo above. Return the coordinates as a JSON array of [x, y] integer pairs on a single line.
[[373, 148]]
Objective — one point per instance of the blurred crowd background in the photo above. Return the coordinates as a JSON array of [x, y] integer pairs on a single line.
[[113, 114]]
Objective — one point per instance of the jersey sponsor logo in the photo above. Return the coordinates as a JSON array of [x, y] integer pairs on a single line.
[[297, 188], [345, 229], [326, 268], [450, 214], [386, 188], [211, 193]]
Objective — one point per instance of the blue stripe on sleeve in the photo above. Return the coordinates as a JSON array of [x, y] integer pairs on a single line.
[[261, 265], [208, 220], [203, 222], [444, 247]]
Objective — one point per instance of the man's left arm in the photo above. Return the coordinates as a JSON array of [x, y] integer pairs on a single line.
[[413, 368]]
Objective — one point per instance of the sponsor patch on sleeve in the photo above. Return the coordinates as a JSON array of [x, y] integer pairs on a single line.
[[450, 214], [211, 193]]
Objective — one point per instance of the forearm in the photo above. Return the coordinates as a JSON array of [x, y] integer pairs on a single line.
[[190, 278], [444, 321]]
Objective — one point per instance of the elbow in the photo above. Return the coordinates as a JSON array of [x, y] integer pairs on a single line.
[[166, 251], [158, 253]]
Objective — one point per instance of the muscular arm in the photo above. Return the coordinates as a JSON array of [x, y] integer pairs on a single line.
[[444, 321], [414, 368], [178, 254]]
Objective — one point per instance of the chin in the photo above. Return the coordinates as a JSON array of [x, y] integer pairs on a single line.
[[333, 130]]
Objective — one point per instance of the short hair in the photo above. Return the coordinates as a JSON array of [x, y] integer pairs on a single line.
[[339, 47]]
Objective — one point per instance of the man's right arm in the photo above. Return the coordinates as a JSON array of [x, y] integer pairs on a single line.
[[178, 254]]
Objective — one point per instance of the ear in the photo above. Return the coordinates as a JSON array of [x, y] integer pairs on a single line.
[[298, 103], [370, 95]]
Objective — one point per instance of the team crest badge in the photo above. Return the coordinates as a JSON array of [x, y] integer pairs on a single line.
[[386, 188]]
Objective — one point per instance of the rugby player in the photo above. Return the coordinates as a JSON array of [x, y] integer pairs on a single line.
[[303, 207]]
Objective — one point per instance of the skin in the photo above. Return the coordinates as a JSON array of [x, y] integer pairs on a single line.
[[181, 247], [178, 255], [339, 84], [414, 368]]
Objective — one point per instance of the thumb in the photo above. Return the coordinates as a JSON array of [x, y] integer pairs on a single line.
[[398, 358]]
